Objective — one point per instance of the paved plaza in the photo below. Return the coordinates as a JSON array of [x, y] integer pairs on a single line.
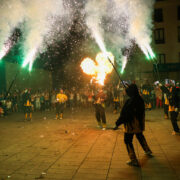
[[74, 148]]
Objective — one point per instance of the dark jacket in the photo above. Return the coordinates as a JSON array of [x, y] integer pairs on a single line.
[[172, 96], [133, 112], [26, 98]]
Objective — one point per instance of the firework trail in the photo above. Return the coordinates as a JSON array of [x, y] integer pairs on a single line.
[[121, 23], [37, 20]]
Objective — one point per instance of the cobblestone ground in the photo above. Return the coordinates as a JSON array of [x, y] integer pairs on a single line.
[[74, 148]]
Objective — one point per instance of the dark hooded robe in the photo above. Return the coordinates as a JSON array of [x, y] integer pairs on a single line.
[[133, 112]]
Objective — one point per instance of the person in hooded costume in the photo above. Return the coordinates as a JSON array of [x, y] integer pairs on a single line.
[[133, 118]]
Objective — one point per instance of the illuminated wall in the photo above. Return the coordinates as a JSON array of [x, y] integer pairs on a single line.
[[36, 79]]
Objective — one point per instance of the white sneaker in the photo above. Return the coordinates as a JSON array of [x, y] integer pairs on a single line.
[[103, 129]]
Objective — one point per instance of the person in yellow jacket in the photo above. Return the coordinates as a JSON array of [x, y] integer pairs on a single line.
[[26, 98], [166, 106], [61, 99]]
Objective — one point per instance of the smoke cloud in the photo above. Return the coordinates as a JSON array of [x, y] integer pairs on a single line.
[[121, 23], [116, 23], [40, 23], [12, 14]]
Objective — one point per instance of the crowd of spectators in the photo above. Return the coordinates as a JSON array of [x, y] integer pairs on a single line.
[[45, 100]]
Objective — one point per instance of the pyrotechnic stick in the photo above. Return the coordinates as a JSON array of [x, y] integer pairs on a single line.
[[156, 63], [116, 72]]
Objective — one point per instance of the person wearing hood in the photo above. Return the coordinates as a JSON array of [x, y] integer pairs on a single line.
[[133, 118]]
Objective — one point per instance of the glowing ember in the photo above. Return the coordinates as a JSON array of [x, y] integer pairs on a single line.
[[100, 69]]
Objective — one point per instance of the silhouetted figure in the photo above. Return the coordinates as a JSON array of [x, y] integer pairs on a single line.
[[133, 118]]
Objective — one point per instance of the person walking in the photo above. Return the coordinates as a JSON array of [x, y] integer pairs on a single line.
[[133, 118], [61, 98], [99, 104]]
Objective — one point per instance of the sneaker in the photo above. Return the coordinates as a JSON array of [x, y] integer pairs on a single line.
[[133, 163], [103, 129], [175, 133], [148, 153]]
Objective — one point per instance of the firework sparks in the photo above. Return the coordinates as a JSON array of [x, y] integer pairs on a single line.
[[30, 59], [124, 62], [5, 49], [100, 69], [147, 50]]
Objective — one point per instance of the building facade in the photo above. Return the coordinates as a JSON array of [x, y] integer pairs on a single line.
[[166, 39]]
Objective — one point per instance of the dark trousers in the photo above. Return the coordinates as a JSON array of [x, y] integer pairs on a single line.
[[59, 108], [116, 105], [46, 104], [128, 138], [166, 107], [173, 116], [100, 113]]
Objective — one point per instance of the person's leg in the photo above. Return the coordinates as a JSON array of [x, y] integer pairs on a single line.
[[157, 102], [115, 107], [30, 116], [166, 111], [143, 143], [98, 115], [57, 110], [61, 111], [130, 149], [173, 116], [160, 103], [103, 116], [25, 113]]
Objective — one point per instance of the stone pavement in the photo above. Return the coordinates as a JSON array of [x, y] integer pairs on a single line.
[[74, 148]]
